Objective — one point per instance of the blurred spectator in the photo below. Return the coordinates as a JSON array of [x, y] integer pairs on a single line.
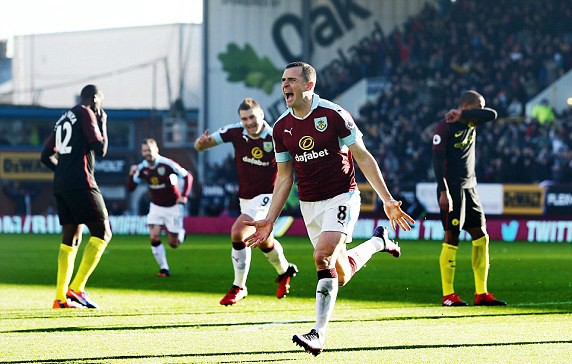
[[515, 108], [543, 112], [21, 194]]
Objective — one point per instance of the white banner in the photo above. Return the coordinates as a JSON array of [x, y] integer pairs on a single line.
[[491, 195]]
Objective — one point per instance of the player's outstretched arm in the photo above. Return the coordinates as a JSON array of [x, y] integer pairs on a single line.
[[282, 187], [396, 216], [263, 230], [205, 141], [369, 167]]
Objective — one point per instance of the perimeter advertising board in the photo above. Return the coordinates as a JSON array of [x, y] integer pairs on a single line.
[[491, 196], [523, 199], [559, 200], [248, 43], [23, 166], [496, 198], [534, 231]]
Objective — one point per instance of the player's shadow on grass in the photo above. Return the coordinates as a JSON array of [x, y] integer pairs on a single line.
[[250, 323], [228, 355]]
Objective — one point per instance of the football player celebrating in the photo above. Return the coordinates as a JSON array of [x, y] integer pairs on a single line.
[[256, 169], [166, 208], [318, 140]]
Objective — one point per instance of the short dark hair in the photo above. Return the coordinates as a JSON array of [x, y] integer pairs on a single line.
[[247, 104], [470, 97], [308, 71], [150, 142], [89, 91]]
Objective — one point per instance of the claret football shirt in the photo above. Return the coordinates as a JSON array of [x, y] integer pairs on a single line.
[[254, 159], [318, 145], [162, 178]]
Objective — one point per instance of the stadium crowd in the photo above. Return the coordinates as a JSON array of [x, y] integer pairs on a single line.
[[443, 51], [423, 68]]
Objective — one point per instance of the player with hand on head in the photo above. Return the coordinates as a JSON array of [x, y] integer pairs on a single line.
[[256, 169], [318, 140], [166, 210], [78, 136], [454, 165]]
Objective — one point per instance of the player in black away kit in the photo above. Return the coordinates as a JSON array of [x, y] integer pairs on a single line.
[[454, 165], [78, 136]]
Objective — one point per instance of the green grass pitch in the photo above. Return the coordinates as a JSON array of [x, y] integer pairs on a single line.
[[389, 313]]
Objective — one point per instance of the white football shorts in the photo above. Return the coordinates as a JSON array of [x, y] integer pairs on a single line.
[[256, 207], [338, 213], [170, 217]]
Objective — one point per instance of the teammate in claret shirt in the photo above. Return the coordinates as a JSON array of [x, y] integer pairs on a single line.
[[256, 169], [79, 135], [318, 140], [166, 210]]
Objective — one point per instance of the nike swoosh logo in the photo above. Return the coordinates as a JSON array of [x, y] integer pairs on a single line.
[[458, 134]]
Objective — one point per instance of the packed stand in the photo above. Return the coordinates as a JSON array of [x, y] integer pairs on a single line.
[[524, 47]]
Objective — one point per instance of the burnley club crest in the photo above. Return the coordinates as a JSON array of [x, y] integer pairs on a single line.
[[321, 123]]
